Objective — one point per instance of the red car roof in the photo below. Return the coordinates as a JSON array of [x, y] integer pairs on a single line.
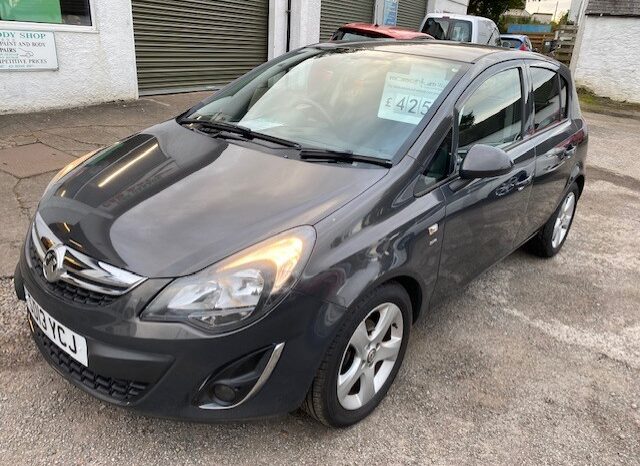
[[394, 32]]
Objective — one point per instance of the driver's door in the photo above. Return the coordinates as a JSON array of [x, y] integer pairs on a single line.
[[483, 216]]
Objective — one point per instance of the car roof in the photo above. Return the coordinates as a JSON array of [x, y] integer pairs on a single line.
[[513, 36], [395, 32], [459, 16], [459, 51]]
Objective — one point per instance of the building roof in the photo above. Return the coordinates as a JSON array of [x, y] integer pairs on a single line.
[[517, 12], [613, 7]]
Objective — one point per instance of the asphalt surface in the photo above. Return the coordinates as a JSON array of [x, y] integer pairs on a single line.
[[537, 361]]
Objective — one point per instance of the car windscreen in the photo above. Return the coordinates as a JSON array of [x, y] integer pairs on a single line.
[[511, 43], [360, 100], [448, 29], [355, 36]]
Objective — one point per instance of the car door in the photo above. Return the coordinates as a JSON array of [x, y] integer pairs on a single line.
[[553, 132], [483, 216]]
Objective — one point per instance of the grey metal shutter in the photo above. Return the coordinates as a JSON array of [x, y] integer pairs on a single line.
[[335, 13], [197, 44], [411, 13]]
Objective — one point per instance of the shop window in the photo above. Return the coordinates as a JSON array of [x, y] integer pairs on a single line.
[[73, 12]]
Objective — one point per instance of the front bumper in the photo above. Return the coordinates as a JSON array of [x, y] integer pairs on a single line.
[[160, 368]]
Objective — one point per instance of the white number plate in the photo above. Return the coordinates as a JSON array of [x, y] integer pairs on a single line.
[[65, 339]]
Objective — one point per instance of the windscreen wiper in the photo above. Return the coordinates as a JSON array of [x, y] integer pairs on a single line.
[[243, 131], [341, 155]]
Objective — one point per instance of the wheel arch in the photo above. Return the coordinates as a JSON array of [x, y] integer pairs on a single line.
[[580, 182], [414, 290], [411, 285]]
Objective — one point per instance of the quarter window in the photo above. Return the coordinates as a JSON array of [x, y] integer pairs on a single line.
[[546, 97], [563, 97], [75, 12], [439, 167], [493, 113]]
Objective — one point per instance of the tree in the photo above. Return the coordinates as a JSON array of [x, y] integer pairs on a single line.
[[492, 9]]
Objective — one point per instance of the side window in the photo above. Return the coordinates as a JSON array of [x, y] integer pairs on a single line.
[[546, 97], [493, 113], [460, 31], [439, 167], [564, 90]]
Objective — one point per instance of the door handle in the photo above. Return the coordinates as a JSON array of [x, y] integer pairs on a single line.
[[524, 183], [569, 151]]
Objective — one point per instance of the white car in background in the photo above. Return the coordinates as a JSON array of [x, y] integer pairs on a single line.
[[461, 28]]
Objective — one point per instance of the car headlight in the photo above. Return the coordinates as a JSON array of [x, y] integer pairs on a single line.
[[239, 289], [70, 167]]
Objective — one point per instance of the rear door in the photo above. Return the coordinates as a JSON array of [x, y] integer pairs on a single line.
[[484, 216], [552, 132]]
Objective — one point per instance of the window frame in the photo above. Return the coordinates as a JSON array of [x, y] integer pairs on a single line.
[[450, 121], [531, 131], [448, 130], [51, 27], [475, 84]]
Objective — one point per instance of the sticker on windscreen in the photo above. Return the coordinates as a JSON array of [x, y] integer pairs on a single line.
[[408, 97]]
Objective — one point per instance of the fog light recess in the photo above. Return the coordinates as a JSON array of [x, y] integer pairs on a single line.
[[239, 380]]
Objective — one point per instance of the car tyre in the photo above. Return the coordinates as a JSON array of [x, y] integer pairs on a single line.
[[549, 240], [360, 366]]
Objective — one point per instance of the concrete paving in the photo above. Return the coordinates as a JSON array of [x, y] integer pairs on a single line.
[[537, 361], [34, 146]]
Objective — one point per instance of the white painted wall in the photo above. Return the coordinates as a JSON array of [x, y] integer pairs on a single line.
[[607, 62], [555, 7], [305, 22], [96, 65], [277, 42], [447, 6], [575, 9], [305, 25]]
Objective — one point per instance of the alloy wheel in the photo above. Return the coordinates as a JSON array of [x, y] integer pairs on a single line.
[[563, 220], [370, 356]]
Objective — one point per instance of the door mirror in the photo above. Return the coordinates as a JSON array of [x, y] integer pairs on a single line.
[[484, 161]]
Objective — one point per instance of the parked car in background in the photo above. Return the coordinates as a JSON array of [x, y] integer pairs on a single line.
[[271, 247], [461, 28], [516, 41], [368, 31]]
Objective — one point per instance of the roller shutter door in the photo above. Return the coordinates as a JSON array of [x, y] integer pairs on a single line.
[[197, 44], [335, 13], [411, 13]]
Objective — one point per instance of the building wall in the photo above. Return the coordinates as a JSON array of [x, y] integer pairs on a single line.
[[555, 7], [305, 23], [447, 6], [607, 62], [94, 66]]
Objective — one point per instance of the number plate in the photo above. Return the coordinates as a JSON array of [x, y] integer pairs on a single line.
[[64, 338]]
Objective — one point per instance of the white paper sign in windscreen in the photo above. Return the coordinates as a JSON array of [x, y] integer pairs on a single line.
[[407, 97]]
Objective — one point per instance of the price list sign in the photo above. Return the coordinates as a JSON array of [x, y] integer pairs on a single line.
[[408, 97]]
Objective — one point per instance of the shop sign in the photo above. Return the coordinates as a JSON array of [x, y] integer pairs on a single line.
[[390, 13], [27, 51]]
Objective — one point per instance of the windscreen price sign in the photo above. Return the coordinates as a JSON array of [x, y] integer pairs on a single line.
[[408, 97], [27, 51]]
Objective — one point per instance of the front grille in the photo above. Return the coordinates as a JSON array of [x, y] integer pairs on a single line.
[[67, 291], [122, 391]]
